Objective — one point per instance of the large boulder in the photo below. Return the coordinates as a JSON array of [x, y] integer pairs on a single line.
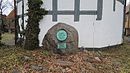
[[50, 41]]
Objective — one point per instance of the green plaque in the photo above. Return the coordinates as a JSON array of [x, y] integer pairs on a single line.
[[61, 35], [62, 46]]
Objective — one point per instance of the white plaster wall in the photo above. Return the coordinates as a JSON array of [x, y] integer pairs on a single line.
[[19, 12], [19, 8], [92, 33]]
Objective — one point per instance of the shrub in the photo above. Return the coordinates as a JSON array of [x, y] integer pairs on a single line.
[[35, 14]]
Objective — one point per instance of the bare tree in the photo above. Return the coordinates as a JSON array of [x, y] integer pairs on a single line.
[[1, 8]]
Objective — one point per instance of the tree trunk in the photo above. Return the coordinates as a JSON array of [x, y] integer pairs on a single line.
[[1, 27]]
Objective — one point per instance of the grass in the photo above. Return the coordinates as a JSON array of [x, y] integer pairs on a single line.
[[7, 37], [10, 56], [120, 54]]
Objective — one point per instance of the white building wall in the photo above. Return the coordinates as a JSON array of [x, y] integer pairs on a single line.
[[19, 12], [92, 33]]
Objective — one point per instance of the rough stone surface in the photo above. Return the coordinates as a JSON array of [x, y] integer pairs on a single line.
[[25, 58], [98, 59], [64, 63], [35, 67], [50, 41], [16, 71]]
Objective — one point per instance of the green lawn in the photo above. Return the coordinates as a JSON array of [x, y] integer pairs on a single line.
[[8, 38]]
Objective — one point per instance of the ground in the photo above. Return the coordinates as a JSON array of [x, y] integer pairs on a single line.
[[14, 59], [8, 39]]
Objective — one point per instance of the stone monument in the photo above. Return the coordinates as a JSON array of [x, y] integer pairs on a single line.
[[61, 39]]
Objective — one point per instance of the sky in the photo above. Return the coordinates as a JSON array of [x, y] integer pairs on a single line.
[[9, 9]]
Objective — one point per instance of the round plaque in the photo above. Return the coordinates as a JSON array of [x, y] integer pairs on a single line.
[[61, 35]]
